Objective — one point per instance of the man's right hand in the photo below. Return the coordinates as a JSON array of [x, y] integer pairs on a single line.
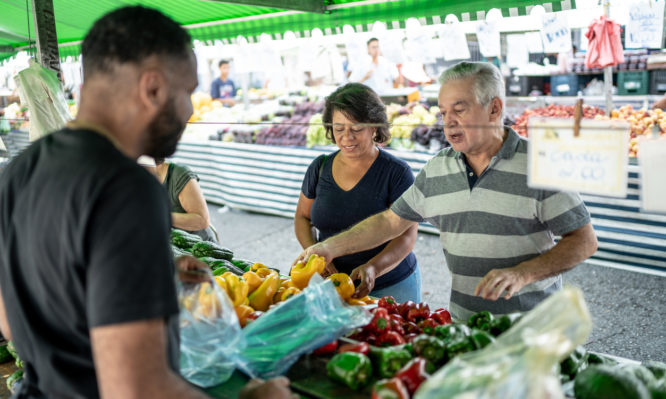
[[319, 249], [276, 388]]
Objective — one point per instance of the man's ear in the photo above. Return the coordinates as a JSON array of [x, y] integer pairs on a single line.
[[153, 91], [496, 107]]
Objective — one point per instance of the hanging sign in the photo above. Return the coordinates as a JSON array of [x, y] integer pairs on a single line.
[[652, 162], [453, 42], [516, 51], [595, 162], [555, 33], [489, 39], [645, 25]]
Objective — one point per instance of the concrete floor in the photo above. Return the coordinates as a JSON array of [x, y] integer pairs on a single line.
[[628, 308]]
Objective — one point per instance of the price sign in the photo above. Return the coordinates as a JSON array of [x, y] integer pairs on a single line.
[[595, 162], [652, 161], [489, 39], [645, 25], [517, 52], [555, 33], [453, 42]]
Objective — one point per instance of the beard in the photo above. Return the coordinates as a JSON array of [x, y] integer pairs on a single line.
[[164, 132]]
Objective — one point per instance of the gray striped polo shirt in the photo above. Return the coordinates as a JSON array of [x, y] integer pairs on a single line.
[[497, 224]]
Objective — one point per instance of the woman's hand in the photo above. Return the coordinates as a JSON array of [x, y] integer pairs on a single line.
[[367, 273], [192, 270]]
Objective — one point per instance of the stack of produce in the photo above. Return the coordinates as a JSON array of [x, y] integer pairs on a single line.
[[553, 111], [316, 133], [290, 132], [643, 123]]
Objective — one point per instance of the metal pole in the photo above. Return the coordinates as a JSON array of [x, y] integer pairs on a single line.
[[47, 40], [608, 74]]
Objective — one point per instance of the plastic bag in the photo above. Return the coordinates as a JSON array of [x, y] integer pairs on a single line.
[[41, 91], [304, 322], [522, 363], [210, 335]]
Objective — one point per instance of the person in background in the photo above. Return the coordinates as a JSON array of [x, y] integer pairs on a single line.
[[357, 181], [497, 233], [378, 73], [87, 276], [223, 88], [189, 210]]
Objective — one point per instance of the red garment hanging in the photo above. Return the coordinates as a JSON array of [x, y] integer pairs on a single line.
[[605, 44]]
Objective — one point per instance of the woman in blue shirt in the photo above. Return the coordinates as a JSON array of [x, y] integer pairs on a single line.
[[353, 183]]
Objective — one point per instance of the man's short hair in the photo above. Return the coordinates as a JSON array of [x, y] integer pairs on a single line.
[[131, 35], [372, 39], [223, 62], [488, 80]]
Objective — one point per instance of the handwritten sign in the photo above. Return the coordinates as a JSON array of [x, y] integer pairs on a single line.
[[652, 162], [516, 51], [489, 39], [555, 33], [453, 42], [645, 25], [595, 162]]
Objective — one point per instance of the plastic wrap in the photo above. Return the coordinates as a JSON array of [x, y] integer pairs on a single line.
[[304, 322], [523, 362], [210, 336], [41, 91]]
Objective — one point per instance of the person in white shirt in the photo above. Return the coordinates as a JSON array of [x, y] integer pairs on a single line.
[[378, 73]]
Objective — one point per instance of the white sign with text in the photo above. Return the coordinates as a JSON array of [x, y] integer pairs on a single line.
[[653, 179], [555, 33], [489, 39], [453, 42], [645, 25], [595, 162]]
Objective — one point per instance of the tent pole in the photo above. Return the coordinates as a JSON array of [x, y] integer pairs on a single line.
[[608, 73], [47, 40]]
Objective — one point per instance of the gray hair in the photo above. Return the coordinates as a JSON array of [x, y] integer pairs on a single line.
[[488, 80]]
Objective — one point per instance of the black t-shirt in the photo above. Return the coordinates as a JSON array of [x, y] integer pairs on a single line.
[[84, 242], [335, 210]]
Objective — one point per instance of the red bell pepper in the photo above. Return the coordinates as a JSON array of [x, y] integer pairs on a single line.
[[413, 374], [388, 303], [390, 338], [418, 312], [396, 323], [371, 339], [380, 322], [327, 349], [390, 389], [428, 326], [404, 307], [411, 328], [410, 337], [442, 316], [361, 347]]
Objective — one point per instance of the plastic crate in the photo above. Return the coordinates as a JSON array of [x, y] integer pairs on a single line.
[[564, 85], [630, 83], [658, 81], [517, 86]]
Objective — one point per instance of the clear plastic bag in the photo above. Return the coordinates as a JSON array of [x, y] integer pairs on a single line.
[[304, 322], [522, 363], [210, 335], [41, 91]]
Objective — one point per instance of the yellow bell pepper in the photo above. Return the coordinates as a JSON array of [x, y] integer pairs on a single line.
[[222, 283], [242, 311], [278, 294], [287, 283], [262, 297], [344, 284], [208, 305], [301, 273], [237, 288], [264, 272], [289, 292], [257, 266], [355, 302], [368, 301], [253, 281]]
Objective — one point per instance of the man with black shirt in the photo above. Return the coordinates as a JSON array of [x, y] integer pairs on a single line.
[[86, 272]]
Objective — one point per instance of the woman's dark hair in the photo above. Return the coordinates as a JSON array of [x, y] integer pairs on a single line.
[[359, 103], [130, 35]]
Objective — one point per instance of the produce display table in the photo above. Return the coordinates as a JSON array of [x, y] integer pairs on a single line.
[[268, 179]]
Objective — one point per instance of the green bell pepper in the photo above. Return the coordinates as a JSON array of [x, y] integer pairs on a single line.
[[480, 339], [458, 346], [575, 362], [430, 348], [449, 332], [481, 320], [350, 368], [387, 361], [503, 323]]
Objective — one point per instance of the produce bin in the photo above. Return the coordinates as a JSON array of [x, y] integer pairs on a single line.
[[658, 81], [564, 85], [629, 83]]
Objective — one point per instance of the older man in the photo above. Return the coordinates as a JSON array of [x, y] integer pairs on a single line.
[[86, 270], [497, 233]]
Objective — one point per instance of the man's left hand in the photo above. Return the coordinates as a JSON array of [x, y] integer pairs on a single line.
[[367, 274], [497, 281]]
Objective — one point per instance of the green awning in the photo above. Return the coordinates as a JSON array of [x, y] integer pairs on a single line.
[[209, 20]]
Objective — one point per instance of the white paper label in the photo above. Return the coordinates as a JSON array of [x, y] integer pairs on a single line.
[[645, 25], [652, 160], [595, 162], [555, 33], [517, 54], [489, 39], [453, 42]]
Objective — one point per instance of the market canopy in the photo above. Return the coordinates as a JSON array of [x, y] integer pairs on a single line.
[[209, 20]]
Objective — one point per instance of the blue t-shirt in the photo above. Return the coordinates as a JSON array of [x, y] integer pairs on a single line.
[[222, 89], [335, 210]]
